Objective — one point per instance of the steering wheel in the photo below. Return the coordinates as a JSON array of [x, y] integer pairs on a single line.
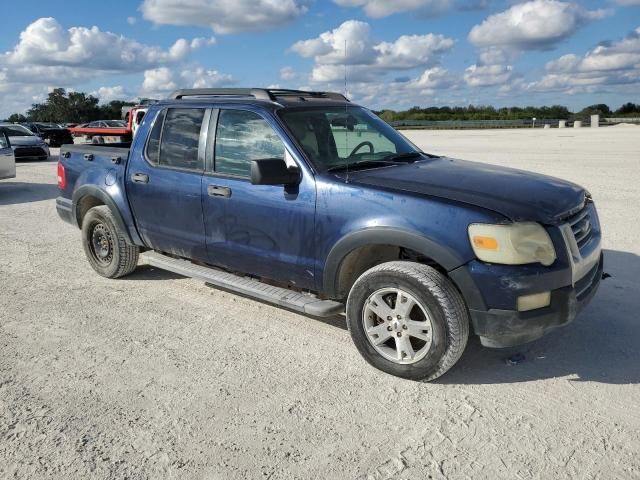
[[360, 145]]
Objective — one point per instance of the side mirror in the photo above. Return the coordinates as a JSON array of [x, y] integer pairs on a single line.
[[273, 171]]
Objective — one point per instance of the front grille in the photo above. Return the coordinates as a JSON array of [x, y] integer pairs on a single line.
[[23, 152], [581, 225]]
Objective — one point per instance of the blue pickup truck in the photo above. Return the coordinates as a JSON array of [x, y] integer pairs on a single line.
[[310, 202]]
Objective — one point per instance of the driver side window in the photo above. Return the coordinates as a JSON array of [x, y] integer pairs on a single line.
[[243, 136]]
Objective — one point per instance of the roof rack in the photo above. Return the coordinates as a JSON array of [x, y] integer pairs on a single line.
[[257, 93]]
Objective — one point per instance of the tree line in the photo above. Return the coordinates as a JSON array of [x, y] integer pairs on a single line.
[[78, 107], [471, 112], [73, 107]]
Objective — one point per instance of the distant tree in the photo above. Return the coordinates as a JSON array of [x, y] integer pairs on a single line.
[[628, 109], [16, 118], [113, 109], [386, 115], [597, 109], [61, 106], [477, 112]]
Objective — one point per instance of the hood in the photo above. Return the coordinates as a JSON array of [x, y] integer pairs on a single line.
[[26, 141], [515, 194]]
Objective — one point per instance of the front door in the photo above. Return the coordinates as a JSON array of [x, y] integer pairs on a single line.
[[165, 182], [264, 230]]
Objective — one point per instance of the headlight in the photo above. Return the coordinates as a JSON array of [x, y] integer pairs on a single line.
[[514, 244]]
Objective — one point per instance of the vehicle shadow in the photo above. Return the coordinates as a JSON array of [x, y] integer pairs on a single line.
[[12, 193], [147, 272], [601, 345]]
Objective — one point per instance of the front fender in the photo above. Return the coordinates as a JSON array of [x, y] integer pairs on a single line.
[[443, 255]]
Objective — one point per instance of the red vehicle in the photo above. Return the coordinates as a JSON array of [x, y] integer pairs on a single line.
[[114, 131], [104, 131]]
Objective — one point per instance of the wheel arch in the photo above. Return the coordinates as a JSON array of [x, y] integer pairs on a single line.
[[89, 196], [342, 266]]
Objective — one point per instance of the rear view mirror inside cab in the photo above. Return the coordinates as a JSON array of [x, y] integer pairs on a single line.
[[346, 121]]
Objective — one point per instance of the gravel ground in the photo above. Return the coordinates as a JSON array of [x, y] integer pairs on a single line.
[[157, 376]]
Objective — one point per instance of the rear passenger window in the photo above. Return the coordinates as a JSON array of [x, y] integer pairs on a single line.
[[243, 136], [153, 143], [180, 138]]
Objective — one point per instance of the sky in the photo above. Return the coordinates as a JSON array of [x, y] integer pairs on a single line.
[[382, 53]]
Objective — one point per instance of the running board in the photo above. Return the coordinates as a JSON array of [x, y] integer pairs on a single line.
[[301, 302]]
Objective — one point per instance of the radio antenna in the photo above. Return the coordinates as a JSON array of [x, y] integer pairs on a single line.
[[346, 110]]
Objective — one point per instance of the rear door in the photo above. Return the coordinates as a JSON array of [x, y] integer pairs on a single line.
[[7, 159], [164, 182]]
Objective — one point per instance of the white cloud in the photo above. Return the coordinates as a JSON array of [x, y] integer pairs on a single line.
[[409, 51], [47, 54], [132, 20], [159, 82], [329, 47], [200, 42], [608, 64], [534, 25], [492, 68], [436, 78], [107, 94], [422, 90], [203, 78], [225, 16], [46, 43], [488, 75], [288, 73], [365, 58], [384, 8]]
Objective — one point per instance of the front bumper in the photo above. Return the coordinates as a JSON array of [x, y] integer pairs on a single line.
[[38, 152], [499, 328], [491, 291]]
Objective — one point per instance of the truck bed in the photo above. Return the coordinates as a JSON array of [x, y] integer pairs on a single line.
[[121, 148]]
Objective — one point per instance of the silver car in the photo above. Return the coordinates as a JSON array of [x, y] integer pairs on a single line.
[[7, 159], [25, 144]]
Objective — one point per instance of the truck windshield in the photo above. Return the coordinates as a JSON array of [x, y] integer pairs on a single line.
[[335, 137]]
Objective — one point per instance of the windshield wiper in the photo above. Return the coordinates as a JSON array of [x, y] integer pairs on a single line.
[[403, 157], [362, 164]]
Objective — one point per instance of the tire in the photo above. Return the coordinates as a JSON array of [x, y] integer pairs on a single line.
[[105, 246], [431, 316]]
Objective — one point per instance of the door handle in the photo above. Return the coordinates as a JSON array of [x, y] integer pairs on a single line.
[[140, 178], [217, 191]]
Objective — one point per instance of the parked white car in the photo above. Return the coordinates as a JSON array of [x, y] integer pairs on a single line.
[[26, 145], [7, 158]]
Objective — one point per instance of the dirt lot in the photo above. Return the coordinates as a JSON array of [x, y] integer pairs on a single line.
[[157, 376]]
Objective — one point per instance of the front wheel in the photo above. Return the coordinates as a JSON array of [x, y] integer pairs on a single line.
[[105, 245], [407, 319]]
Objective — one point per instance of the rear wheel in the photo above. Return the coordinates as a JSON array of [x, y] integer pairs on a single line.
[[105, 245], [407, 319]]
